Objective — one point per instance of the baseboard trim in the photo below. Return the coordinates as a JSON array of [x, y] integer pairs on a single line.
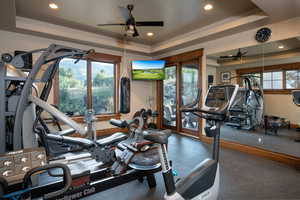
[[280, 157], [185, 134], [294, 125]]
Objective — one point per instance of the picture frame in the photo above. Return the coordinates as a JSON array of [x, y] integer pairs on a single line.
[[225, 77]]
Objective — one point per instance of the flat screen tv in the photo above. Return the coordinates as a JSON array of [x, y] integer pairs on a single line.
[[148, 70]]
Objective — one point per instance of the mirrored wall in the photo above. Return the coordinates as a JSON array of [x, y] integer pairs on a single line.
[[264, 114]]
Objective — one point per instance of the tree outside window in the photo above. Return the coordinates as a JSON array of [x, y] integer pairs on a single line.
[[74, 86]]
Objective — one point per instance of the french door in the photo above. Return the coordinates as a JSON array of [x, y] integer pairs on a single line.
[[180, 88]]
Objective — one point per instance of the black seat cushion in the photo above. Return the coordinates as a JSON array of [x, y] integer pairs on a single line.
[[156, 136], [116, 137]]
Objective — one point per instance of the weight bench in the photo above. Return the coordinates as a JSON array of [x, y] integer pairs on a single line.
[[273, 123]]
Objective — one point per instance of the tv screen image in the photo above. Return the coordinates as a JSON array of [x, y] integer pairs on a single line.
[[148, 70]]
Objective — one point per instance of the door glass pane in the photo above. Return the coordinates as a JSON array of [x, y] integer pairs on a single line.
[[169, 96], [291, 79], [291, 84], [103, 88], [72, 86], [189, 94]]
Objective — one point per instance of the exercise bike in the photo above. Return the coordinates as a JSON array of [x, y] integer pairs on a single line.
[[203, 182]]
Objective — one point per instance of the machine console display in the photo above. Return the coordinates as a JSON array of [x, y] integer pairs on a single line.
[[219, 96]]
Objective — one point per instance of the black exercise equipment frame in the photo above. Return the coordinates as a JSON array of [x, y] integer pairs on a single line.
[[99, 181]]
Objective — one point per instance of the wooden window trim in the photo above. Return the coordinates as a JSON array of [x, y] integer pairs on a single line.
[[289, 66], [273, 68], [183, 57], [98, 57], [99, 118]]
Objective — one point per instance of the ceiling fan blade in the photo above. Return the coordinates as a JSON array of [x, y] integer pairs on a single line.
[[136, 33], [116, 24], [150, 23], [226, 56], [244, 53]]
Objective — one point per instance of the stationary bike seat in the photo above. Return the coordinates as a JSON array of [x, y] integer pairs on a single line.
[[116, 137], [147, 160], [156, 136]]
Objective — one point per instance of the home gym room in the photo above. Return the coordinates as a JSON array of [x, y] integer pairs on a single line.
[[137, 99]]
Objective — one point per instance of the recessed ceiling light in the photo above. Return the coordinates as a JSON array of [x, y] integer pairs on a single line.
[[53, 6], [280, 47], [208, 6], [150, 34]]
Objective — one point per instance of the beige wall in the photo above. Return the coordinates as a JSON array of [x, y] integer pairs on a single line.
[[141, 91], [282, 105], [275, 104]]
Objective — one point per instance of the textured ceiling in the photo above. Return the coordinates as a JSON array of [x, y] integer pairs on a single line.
[[180, 16]]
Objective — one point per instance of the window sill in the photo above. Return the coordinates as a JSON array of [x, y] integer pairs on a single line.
[[80, 119], [282, 91]]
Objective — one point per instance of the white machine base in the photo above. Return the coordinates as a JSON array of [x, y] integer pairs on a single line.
[[210, 194]]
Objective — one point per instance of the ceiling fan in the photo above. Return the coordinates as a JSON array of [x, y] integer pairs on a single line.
[[130, 23], [238, 56]]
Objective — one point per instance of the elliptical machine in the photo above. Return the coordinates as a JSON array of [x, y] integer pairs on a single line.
[[203, 182]]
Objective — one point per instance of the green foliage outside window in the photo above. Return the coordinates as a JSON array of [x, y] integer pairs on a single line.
[[73, 87], [72, 93]]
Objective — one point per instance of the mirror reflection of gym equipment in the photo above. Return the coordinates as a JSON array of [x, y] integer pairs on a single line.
[[195, 99], [259, 118]]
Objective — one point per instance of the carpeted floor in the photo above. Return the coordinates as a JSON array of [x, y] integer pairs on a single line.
[[243, 176], [283, 143]]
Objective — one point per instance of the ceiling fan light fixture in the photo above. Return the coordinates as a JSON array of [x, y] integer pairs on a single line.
[[150, 34], [130, 29], [53, 6], [208, 6]]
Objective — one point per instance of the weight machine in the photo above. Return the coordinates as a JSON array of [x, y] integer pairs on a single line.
[[23, 99]]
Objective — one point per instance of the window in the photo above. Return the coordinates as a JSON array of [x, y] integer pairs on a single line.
[[103, 87], [272, 80], [72, 86], [276, 79], [87, 84], [292, 79]]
